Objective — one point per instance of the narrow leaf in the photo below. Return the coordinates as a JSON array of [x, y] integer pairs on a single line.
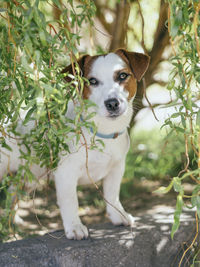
[[177, 213], [163, 189], [28, 115], [198, 119]]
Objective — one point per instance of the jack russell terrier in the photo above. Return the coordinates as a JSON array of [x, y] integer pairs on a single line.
[[112, 87]]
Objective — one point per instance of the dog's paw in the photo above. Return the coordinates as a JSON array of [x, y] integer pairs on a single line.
[[76, 231], [121, 218]]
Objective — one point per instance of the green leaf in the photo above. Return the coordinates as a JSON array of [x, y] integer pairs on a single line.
[[15, 116], [170, 85], [89, 116], [198, 118], [177, 213], [18, 86], [179, 129], [57, 3], [38, 59], [3, 144], [177, 185], [183, 121], [163, 189], [174, 29], [28, 115], [175, 115], [101, 142], [196, 203], [195, 172], [43, 37], [195, 200]]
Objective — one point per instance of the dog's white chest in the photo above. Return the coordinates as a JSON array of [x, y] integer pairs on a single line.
[[98, 167], [100, 163]]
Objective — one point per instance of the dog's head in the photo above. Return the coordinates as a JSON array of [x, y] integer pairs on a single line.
[[112, 80]]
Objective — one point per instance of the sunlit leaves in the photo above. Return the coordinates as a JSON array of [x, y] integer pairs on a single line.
[[186, 119], [176, 183]]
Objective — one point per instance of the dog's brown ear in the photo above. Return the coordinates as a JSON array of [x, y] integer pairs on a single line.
[[138, 62], [69, 69]]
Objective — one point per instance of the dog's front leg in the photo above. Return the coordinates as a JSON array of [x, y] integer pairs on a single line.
[[68, 202], [111, 187]]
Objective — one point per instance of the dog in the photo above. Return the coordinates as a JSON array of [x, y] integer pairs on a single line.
[[112, 87]]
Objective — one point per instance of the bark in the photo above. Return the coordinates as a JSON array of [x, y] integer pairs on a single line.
[[118, 29], [120, 25], [161, 40]]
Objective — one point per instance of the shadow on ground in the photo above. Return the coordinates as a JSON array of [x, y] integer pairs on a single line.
[[147, 244]]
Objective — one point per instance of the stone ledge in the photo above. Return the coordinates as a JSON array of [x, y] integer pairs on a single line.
[[149, 245]]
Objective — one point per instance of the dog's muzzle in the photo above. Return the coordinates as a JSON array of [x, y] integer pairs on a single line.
[[113, 106]]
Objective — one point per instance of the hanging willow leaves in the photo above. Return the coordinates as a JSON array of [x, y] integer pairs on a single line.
[[183, 27], [33, 50]]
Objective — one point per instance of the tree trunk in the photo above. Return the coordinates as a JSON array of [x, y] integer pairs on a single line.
[[120, 25], [161, 40]]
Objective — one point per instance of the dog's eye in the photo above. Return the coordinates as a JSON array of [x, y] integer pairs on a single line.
[[93, 81], [122, 76]]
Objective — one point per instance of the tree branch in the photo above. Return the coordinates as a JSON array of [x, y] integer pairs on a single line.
[[119, 29], [142, 18]]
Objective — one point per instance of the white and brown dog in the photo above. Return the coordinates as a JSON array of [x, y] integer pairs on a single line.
[[112, 87]]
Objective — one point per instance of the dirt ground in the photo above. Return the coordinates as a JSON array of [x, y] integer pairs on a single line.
[[40, 213]]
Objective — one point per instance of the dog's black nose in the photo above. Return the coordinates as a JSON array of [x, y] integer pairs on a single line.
[[112, 104]]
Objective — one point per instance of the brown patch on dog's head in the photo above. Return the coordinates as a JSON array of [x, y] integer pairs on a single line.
[[138, 62], [130, 83], [137, 65], [85, 64]]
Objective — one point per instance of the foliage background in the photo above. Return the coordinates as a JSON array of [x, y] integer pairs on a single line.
[[38, 38]]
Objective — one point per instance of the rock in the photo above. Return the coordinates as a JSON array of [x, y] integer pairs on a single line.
[[148, 245]]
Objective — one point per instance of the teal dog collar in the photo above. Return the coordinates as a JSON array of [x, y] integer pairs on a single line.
[[105, 136]]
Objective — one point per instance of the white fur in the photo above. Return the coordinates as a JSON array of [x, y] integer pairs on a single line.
[[107, 165]]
